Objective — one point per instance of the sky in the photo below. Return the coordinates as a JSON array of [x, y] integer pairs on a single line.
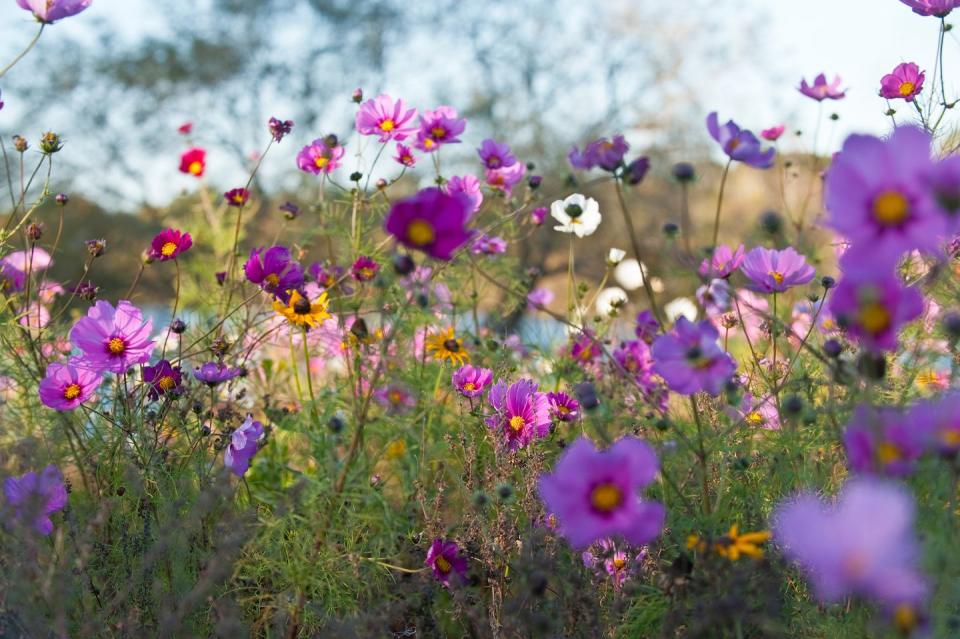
[[860, 40]]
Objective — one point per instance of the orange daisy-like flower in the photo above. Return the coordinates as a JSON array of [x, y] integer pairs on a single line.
[[300, 311], [445, 345]]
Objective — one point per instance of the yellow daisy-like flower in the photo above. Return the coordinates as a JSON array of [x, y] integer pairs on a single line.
[[734, 545], [445, 345], [396, 449], [300, 311]]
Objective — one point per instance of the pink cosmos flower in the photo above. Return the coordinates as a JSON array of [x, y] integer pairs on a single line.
[[539, 298], [506, 178], [496, 155], [317, 157], [521, 413], [822, 90], [690, 360], [396, 398], [237, 197], [903, 83], [773, 133], [594, 494], [772, 271], [64, 387], [112, 339], [489, 245], [405, 156], [438, 127], [563, 407], [430, 221], [193, 161], [32, 261], [364, 269], [883, 440], [722, 262], [467, 188], [49, 11], [243, 446], [386, 118], [446, 562], [739, 144], [35, 497], [169, 244], [471, 381], [937, 8]]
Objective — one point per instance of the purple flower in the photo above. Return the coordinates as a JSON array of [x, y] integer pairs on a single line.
[[471, 381], [279, 128], [722, 262], [317, 157], [169, 244], [883, 440], [605, 153], [540, 298], [740, 145], [386, 118], [274, 271], [237, 197], [617, 563], [444, 559], [49, 11], [112, 339], [539, 214], [877, 196], [647, 326], [939, 418], [496, 155], [506, 178], [405, 156], [213, 373], [757, 413], [584, 348], [396, 398], [822, 90], [594, 494], [714, 297], [772, 271], [35, 497], [243, 446], [863, 544], [903, 83], [634, 356], [943, 180], [938, 8], [438, 127], [466, 188], [488, 245], [637, 170], [163, 378], [872, 306], [689, 359], [12, 279], [430, 221], [364, 269], [64, 387], [520, 413], [563, 407]]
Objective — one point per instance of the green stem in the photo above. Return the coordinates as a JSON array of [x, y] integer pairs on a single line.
[[716, 218], [24, 52]]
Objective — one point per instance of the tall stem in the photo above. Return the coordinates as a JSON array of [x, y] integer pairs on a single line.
[[631, 231], [24, 52], [716, 218], [701, 457], [313, 398]]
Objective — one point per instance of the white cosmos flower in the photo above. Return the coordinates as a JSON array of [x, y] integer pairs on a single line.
[[610, 299], [656, 284], [577, 214], [615, 256], [682, 306], [630, 273]]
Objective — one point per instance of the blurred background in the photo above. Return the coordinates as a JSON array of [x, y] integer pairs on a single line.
[[117, 80]]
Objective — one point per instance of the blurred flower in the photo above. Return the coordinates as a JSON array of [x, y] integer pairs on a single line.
[[496, 155], [430, 221], [12, 279], [630, 273], [506, 178], [607, 154], [214, 373], [772, 271], [883, 440], [740, 145], [773, 133], [903, 83], [563, 407], [49, 11], [290, 210], [689, 359], [243, 446], [169, 244], [317, 157], [539, 214], [237, 197], [610, 300], [615, 256], [647, 326], [594, 494], [637, 170], [576, 214], [489, 245], [681, 307], [279, 128], [386, 118], [872, 306], [722, 262], [35, 497], [714, 297], [163, 378], [405, 156], [521, 413], [470, 381], [193, 162], [467, 189], [396, 398], [64, 387], [540, 297], [822, 90], [444, 559], [364, 269], [438, 127], [112, 339]]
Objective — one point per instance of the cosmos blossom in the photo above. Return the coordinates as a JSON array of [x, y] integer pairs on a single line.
[[35, 497], [386, 118], [821, 89], [439, 127], [496, 155], [577, 214], [773, 271], [936, 8], [467, 188], [690, 360], [563, 407], [243, 446], [49, 11], [605, 153], [445, 561], [471, 381], [739, 144], [521, 413], [873, 306], [64, 387], [169, 244], [773, 133], [430, 221], [274, 271], [112, 339], [162, 378], [506, 178], [323, 155], [594, 494], [903, 83], [883, 440], [194, 162]]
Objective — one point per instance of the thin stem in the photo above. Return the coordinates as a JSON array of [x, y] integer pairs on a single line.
[[306, 362], [25, 51], [716, 218], [701, 457], [648, 289]]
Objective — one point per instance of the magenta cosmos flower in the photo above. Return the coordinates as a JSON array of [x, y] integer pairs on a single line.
[[35, 497], [274, 271], [506, 178], [49, 11], [444, 559], [877, 196], [318, 157], [884, 441], [386, 118], [773, 133], [431, 221], [467, 188], [521, 413], [563, 407], [489, 245], [214, 373], [862, 545], [938, 8], [169, 244], [872, 306], [405, 156], [739, 144], [689, 359], [364, 269], [604, 153], [496, 155], [193, 161], [112, 339], [237, 197], [243, 446], [65, 386], [438, 127], [471, 381], [903, 83], [772, 271], [594, 494], [162, 378], [822, 90]]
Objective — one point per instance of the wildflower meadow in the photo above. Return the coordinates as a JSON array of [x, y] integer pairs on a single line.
[[351, 404]]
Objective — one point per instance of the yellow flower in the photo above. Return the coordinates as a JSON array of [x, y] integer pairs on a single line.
[[733, 545], [446, 345], [396, 449], [300, 311]]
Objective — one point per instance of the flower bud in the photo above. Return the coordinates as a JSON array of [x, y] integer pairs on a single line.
[[684, 172], [62, 199], [50, 143]]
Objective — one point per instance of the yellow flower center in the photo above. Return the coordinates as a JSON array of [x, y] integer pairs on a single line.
[[777, 276], [517, 423], [116, 346], [619, 562], [272, 280], [321, 161], [888, 453], [168, 249], [72, 391], [167, 383], [891, 208], [906, 88], [905, 619], [438, 132], [387, 125], [238, 198], [195, 168], [606, 497], [950, 437], [470, 386], [875, 318], [366, 273], [420, 232], [443, 565], [754, 418], [428, 143], [396, 397]]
